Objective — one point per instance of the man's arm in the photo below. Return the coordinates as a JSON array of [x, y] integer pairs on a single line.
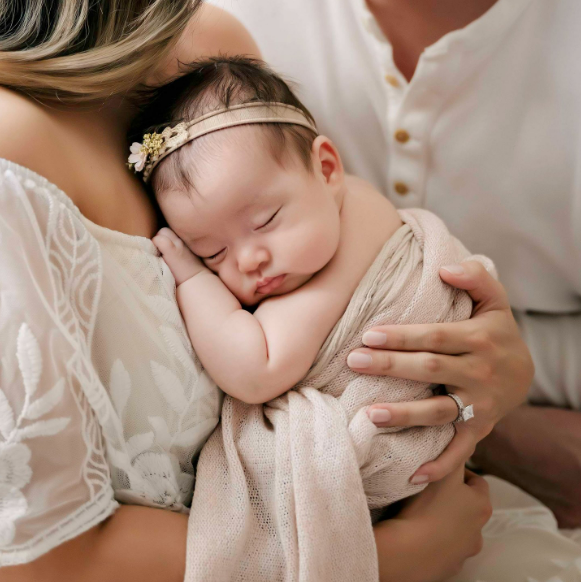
[[539, 449]]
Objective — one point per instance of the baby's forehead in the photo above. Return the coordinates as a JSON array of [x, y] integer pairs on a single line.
[[238, 152], [203, 214]]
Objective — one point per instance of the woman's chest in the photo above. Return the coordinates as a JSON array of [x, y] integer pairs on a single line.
[[113, 198]]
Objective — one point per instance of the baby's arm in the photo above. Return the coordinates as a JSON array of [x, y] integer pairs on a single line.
[[257, 357], [230, 342]]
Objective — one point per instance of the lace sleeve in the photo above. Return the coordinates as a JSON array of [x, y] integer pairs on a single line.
[[54, 479]]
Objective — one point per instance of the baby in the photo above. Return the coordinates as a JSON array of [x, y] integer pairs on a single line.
[[281, 262], [259, 211]]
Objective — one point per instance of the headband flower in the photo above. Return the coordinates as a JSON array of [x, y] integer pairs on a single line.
[[140, 152]]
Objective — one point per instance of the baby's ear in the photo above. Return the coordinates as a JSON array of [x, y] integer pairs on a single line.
[[327, 161]]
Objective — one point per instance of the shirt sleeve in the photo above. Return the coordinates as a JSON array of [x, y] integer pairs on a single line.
[[555, 344], [54, 478]]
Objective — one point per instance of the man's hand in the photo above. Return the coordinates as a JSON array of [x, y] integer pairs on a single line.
[[436, 531], [483, 360]]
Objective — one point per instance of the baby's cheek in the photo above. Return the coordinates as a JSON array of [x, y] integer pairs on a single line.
[[319, 250]]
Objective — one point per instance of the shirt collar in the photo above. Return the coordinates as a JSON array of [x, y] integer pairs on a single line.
[[495, 22]]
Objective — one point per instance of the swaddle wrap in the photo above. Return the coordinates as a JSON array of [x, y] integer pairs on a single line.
[[284, 490]]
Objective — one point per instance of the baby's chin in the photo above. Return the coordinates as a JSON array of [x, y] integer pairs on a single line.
[[291, 283]]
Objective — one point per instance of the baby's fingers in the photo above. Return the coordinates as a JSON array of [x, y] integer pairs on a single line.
[[433, 411], [166, 240], [181, 261]]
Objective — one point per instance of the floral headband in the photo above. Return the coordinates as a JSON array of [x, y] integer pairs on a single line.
[[156, 146]]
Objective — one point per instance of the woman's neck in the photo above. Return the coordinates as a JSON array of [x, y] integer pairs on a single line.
[[413, 25], [107, 123]]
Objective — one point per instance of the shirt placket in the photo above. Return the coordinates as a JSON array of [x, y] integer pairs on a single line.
[[410, 113], [411, 125]]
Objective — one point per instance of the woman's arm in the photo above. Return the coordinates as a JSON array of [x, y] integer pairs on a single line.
[[428, 541], [135, 543], [483, 360], [539, 449]]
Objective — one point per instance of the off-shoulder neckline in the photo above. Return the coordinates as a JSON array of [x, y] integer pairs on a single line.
[[100, 232]]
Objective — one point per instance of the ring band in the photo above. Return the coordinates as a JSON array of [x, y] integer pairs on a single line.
[[465, 413]]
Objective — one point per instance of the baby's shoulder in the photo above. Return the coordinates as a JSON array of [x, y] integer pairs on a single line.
[[368, 206]]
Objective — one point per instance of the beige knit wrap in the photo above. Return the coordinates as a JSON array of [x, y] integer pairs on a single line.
[[284, 490]]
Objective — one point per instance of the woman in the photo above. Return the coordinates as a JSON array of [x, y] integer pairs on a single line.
[[95, 363]]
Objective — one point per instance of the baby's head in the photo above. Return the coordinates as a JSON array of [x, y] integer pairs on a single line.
[[259, 202]]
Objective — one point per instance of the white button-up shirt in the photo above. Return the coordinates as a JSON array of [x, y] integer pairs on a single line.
[[487, 134]]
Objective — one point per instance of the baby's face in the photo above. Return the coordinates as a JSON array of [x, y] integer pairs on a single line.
[[265, 229]]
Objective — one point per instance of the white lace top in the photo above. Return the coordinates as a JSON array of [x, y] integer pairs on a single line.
[[101, 395]]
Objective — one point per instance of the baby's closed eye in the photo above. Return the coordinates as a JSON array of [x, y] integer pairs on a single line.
[[269, 220], [213, 257]]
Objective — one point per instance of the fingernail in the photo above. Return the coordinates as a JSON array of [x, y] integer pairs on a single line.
[[378, 415], [358, 360], [418, 479], [374, 338], [454, 269]]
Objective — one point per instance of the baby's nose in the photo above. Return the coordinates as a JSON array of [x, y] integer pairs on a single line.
[[251, 259]]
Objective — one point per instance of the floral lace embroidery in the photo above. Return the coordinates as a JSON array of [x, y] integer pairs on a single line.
[[15, 472], [52, 264]]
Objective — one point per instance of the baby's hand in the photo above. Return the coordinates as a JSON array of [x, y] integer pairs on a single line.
[[182, 263]]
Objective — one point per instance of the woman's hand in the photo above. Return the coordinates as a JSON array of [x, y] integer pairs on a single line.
[[437, 530], [182, 263], [483, 360]]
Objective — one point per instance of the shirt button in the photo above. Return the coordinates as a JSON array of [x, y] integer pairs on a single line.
[[392, 80], [401, 188], [402, 135]]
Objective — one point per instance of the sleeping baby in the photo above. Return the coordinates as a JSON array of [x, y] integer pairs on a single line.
[[281, 263]]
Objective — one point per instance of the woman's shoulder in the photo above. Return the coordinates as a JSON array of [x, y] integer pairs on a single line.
[[25, 129], [25, 147], [31, 139]]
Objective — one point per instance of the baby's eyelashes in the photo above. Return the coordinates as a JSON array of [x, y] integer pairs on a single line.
[[269, 220], [213, 257]]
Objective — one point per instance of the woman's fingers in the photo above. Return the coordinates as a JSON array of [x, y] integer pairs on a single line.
[[421, 366], [484, 289], [430, 412], [456, 454], [442, 338], [434, 411]]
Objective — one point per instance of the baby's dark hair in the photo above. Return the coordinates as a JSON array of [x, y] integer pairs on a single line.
[[217, 83]]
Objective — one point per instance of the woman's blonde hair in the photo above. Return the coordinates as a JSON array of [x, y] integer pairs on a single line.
[[86, 50]]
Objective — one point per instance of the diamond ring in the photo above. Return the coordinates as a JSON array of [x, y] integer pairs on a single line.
[[465, 413]]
